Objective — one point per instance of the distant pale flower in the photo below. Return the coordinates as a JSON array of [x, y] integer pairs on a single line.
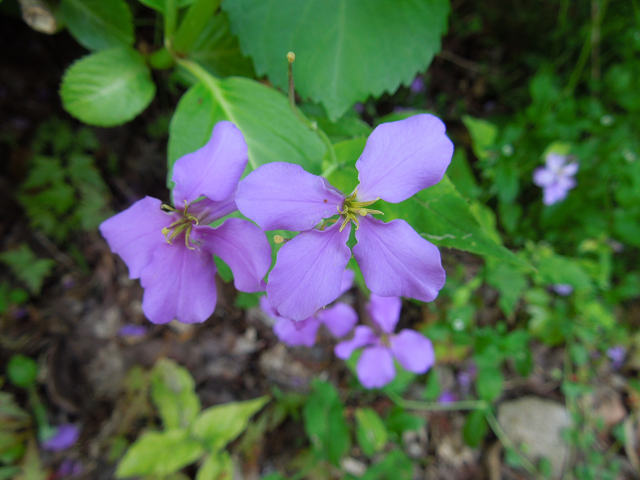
[[131, 330], [339, 320], [616, 355], [400, 159], [447, 397], [563, 289], [171, 248], [555, 178], [375, 366], [417, 86], [64, 436]]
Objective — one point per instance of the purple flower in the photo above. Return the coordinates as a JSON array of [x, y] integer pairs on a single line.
[[555, 178], [563, 289], [171, 248], [617, 355], [400, 159], [375, 366], [417, 86], [131, 330], [64, 436], [339, 320], [447, 397]]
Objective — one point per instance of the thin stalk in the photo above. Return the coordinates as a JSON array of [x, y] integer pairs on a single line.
[[193, 23], [438, 407], [170, 20]]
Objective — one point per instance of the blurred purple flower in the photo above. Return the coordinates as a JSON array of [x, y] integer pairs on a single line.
[[417, 86], [563, 289], [466, 378], [375, 366], [359, 108], [399, 159], [617, 355], [447, 397], [555, 178], [171, 248], [65, 436], [131, 330], [69, 468], [339, 320]]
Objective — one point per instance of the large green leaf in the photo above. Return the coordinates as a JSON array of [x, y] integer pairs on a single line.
[[271, 129], [173, 392], [159, 453], [107, 88], [98, 24], [345, 50], [160, 5], [370, 431], [216, 426]]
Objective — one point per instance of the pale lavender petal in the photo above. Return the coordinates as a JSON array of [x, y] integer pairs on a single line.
[[284, 196], [208, 211], [384, 311], [362, 336], [242, 246], [570, 169], [401, 158], [136, 232], [413, 351], [543, 177], [179, 283], [563, 289], [297, 333], [347, 281], [555, 161], [447, 397], [64, 437], [396, 261], [339, 319], [214, 170], [308, 272], [375, 367], [554, 193], [267, 308]]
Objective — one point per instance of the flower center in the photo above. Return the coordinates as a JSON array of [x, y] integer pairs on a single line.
[[352, 210], [184, 224]]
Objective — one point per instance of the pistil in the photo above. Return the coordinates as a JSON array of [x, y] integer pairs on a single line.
[[184, 224], [352, 210]]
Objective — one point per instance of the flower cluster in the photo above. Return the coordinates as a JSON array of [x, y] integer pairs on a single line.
[[555, 178], [170, 248]]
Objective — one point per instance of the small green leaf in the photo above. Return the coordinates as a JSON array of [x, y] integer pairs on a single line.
[[489, 383], [98, 24], [216, 467], [218, 425], [22, 371], [395, 465], [325, 424], [345, 50], [28, 268], [160, 5], [107, 88], [272, 131], [173, 392], [483, 135], [159, 453], [475, 428], [509, 281], [370, 431]]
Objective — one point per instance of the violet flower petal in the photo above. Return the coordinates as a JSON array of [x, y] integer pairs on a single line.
[[308, 272], [214, 170], [396, 261], [543, 177], [362, 336], [136, 232], [401, 158], [347, 281], [413, 351], [208, 211], [555, 161], [375, 367], [242, 246], [339, 319], [570, 169], [64, 437], [179, 283], [297, 333], [284, 196], [384, 311]]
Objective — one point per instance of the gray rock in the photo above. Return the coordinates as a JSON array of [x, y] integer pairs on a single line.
[[536, 425]]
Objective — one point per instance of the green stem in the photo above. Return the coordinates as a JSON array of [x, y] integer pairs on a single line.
[[170, 20], [39, 413], [436, 406]]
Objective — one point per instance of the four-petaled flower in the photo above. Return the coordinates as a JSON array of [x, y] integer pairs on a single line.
[[375, 366], [339, 320], [171, 248], [399, 159], [555, 178]]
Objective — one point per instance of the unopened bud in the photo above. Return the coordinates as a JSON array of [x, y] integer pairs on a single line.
[[278, 239], [291, 57]]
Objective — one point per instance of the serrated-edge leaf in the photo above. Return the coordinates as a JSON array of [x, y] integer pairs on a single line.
[[87, 96]]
